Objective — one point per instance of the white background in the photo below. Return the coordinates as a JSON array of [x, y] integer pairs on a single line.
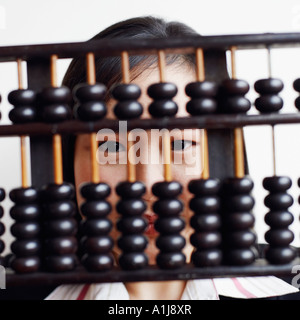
[[35, 22]]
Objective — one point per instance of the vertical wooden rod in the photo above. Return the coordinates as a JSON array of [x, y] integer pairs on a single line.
[[200, 69], [23, 147], [91, 80], [200, 76], [131, 170], [56, 142], [166, 145], [238, 132]]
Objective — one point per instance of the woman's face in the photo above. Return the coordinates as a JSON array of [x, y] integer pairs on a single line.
[[185, 151]]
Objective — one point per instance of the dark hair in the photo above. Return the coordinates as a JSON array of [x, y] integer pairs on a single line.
[[108, 70]]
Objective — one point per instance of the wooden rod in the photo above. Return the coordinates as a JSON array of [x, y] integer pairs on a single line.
[[205, 157], [23, 147], [238, 132], [56, 140], [24, 168], [53, 60], [57, 156], [125, 67], [166, 145], [90, 63], [200, 69], [162, 65], [131, 170], [167, 155], [94, 163], [91, 80]]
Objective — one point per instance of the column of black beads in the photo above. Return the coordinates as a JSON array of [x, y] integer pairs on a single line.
[[26, 211], [2, 228], [205, 203], [236, 201], [131, 206], [278, 200], [95, 242], [57, 198], [168, 207]]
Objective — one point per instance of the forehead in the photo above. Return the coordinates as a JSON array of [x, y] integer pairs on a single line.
[[179, 75]]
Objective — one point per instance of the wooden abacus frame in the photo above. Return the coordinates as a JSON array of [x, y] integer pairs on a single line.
[[219, 129]]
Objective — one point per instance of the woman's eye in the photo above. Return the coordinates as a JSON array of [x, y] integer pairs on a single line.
[[111, 146], [178, 145]]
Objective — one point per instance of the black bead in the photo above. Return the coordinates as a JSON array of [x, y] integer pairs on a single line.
[[236, 104], [201, 106], [90, 111], [278, 201], [132, 243], [23, 195], [60, 209], [207, 258], [25, 248], [53, 191], [163, 108], [55, 95], [279, 219], [25, 230], [129, 109], [60, 227], [2, 194], [123, 92], [2, 247], [168, 207], [296, 84], [95, 209], [96, 227], [170, 260], [25, 212], [132, 225], [95, 191], [22, 97], [61, 245], [234, 186], [280, 255], [1, 212], [167, 190], [279, 237], [60, 263], [203, 187], [85, 92], [243, 202], [26, 264], [170, 243], [53, 113], [268, 103], [277, 183], [268, 86], [206, 240], [23, 114], [98, 244], [170, 225], [205, 204], [201, 89], [133, 261], [239, 221], [234, 87], [239, 257], [131, 206], [205, 222], [130, 190], [163, 90], [98, 262], [240, 239], [2, 228]]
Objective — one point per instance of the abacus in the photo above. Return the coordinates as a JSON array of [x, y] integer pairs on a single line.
[[52, 247]]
